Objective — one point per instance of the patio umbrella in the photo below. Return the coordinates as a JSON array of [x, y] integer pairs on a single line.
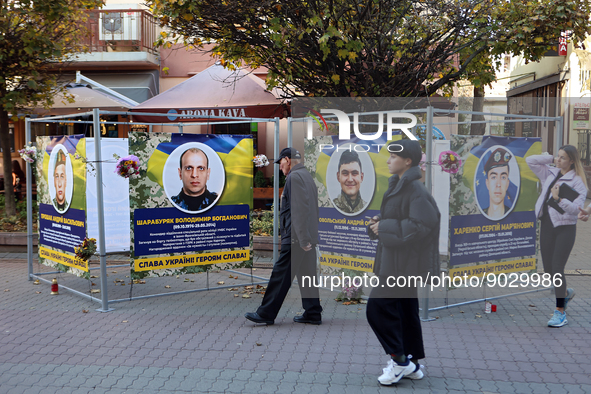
[[215, 91]]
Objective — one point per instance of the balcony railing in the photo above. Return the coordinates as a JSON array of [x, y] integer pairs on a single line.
[[121, 31]]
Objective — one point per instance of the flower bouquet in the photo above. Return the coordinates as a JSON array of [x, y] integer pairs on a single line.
[[128, 166], [351, 293], [86, 249], [450, 161], [260, 161], [28, 153]]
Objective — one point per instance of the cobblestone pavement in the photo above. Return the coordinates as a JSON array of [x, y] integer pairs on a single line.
[[200, 342]]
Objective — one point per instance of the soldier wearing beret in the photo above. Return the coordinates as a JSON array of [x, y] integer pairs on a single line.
[[497, 182]]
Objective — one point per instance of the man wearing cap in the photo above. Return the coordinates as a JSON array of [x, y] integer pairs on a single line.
[[60, 180], [350, 176], [497, 182], [194, 173], [299, 235]]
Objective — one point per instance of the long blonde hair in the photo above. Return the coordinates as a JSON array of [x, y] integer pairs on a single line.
[[573, 154]]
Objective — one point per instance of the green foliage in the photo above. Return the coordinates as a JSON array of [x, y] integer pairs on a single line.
[[261, 223], [259, 179], [387, 48]]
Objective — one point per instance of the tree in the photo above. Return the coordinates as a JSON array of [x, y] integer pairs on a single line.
[[35, 36], [389, 48]]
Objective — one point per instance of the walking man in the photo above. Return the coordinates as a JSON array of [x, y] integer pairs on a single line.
[[299, 235]]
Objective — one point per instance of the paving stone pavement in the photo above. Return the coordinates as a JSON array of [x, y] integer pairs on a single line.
[[200, 342]]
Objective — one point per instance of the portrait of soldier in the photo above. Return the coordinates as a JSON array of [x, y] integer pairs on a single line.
[[194, 173], [60, 180], [497, 182], [350, 177]]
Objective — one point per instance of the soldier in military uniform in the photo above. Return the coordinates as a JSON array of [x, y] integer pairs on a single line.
[[497, 182], [194, 172], [60, 181], [350, 176]]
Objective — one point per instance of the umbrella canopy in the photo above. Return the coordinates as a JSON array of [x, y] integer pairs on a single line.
[[84, 100], [215, 91]]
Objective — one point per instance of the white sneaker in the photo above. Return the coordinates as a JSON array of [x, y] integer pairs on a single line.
[[417, 374], [394, 372]]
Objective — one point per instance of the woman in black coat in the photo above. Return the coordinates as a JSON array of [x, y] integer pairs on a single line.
[[407, 231]]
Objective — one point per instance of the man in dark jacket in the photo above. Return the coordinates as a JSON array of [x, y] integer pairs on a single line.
[[407, 231], [299, 235]]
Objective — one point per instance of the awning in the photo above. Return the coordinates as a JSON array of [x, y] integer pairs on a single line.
[[85, 99], [215, 91], [138, 86]]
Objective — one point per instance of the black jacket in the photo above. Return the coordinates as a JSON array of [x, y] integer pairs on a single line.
[[408, 232], [300, 196]]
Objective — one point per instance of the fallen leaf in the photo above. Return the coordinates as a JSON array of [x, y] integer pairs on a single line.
[[346, 303], [230, 276], [178, 276], [6, 290], [363, 301], [37, 292], [248, 287], [95, 290], [233, 289], [124, 321], [92, 284], [186, 280], [192, 280], [167, 287], [36, 282], [259, 344], [84, 310], [461, 311], [245, 296], [236, 295], [221, 282], [93, 276], [113, 272], [511, 315], [532, 305]]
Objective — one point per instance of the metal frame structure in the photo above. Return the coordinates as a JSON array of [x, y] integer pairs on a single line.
[[430, 114], [104, 301]]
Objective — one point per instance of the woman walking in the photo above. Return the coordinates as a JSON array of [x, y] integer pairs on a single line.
[[407, 230], [557, 208]]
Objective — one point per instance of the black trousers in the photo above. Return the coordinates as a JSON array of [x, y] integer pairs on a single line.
[[293, 261], [396, 323], [556, 244]]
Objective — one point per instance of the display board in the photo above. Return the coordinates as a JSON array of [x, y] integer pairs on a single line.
[[61, 194], [492, 198], [190, 205], [351, 177]]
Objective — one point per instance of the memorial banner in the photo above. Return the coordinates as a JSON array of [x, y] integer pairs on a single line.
[[191, 203], [351, 177], [61, 194], [491, 206]]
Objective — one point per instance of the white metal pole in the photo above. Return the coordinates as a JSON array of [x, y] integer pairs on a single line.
[[428, 184], [289, 133], [100, 210], [29, 203], [276, 193]]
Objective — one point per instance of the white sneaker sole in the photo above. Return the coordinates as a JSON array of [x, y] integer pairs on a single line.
[[564, 323], [415, 375], [395, 379]]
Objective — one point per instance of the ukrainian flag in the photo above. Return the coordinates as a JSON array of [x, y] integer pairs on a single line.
[[236, 153]]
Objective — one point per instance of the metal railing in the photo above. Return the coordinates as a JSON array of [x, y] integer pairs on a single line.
[[121, 31]]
